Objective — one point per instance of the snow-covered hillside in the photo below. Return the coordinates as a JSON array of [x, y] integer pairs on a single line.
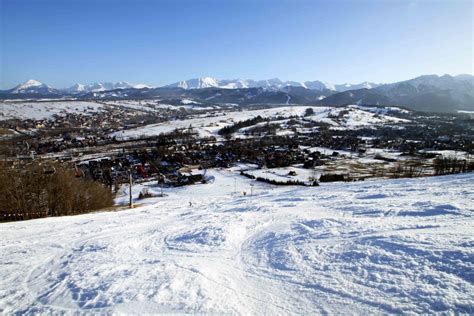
[[46, 110], [209, 125], [394, 246]]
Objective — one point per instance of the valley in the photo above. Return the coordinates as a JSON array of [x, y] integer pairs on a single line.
[[109, 141]]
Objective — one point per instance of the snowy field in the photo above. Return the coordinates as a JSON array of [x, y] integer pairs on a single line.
[[209, 125], [46, 110], [393, 246]]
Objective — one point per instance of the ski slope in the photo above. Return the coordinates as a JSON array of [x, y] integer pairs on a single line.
[[389, 246]]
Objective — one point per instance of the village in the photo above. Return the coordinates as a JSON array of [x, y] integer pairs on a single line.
[[281, 146]]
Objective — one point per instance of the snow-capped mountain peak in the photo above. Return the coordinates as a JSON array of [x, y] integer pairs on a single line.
[[319, 85], [207, 82], [141, 86], [196, 83], [29, 84], [32, 86], [78, 87], [105, 86], [349, 86]]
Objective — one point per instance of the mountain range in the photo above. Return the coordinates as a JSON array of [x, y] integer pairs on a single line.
[[103, 86], [271, 84], [430, 93], [35, 87]]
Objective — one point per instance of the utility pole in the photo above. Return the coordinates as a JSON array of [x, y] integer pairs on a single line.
[[130, 201], [162, 182]]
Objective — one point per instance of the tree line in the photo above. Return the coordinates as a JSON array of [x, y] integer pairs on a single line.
[[42, 189]]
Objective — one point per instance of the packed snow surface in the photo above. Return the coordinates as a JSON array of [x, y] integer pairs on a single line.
[[393, 246]]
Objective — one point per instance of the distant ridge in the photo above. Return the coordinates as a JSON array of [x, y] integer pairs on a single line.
[[273, 84], [430, 93]]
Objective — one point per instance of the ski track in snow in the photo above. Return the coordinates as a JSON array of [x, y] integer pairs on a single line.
[[393, 246]]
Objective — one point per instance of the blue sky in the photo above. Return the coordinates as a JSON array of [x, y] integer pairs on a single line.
[[61, 42]]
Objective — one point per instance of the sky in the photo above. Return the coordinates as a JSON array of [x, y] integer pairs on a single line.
[[62, 42]]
